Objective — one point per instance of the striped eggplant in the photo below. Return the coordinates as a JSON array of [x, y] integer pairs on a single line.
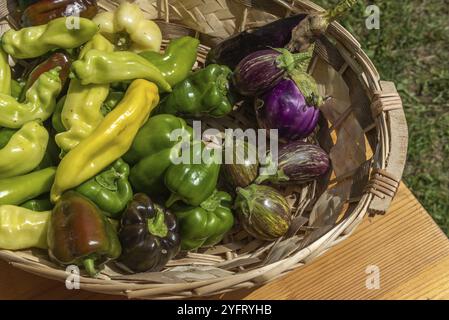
[[242, 171], [262, 70], [298, 162], [263, 212]]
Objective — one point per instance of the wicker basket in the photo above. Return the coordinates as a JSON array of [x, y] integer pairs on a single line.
[[363, 129]]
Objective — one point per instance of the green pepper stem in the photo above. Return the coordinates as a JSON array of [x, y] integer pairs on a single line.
[[156, 225], [89, 265], [173, 198], [339, 10]]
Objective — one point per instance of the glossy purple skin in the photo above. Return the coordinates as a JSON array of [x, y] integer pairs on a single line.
[[285, 109], [258, 72]]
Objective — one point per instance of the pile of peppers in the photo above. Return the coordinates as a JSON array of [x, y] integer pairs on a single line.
[[86, 168], [89, 162]]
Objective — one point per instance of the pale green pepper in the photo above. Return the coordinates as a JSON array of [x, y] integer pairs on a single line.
[[5, 73], [21, 228], [64, 33], [81, 112], [108, 67], [39, 104], [24, 151]]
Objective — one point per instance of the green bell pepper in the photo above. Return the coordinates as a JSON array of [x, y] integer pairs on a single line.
[[40, 102], [177, 61], [192, 182], [150, 153], [109, 190], [18, 189], [206, 224], [36, 41], [99, 67], [205, 92]]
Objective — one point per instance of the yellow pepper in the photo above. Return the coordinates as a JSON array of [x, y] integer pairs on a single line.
[[21, 228], [109, 141], [128, 29], [81, 112]]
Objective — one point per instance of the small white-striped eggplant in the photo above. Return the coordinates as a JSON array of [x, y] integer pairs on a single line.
[[262, 70], [298, 162], [263, 212]]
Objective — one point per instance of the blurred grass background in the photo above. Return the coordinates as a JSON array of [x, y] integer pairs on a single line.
[[411, 48]]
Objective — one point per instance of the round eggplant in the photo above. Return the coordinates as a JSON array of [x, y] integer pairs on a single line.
[[263, 212]]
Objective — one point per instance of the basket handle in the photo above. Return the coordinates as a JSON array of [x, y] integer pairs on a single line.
[[385, 180]]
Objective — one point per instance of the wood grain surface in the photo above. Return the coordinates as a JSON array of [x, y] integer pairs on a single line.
[[409, 249]]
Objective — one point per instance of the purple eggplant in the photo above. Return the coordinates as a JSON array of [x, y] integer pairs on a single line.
[[298, 162], [262, 70], [232, 50], [285, 108]]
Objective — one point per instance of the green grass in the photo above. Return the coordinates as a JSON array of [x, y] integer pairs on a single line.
[[411, 48]]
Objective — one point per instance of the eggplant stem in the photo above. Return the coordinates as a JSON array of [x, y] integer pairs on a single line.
[[315, 25], [339, 10]]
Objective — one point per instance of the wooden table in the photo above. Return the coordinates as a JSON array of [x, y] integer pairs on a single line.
[[409, 249]]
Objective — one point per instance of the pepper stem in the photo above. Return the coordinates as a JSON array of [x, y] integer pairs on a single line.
[[156, 225], [173, 198], [89, 265]]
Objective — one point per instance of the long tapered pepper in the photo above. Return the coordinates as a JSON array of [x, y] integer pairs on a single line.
[[177, 61], [19, 189], [24, 151], [21, 228], [39, 104], [107, 67], [109, 141], [57, 59], [64, 33], [5, 73], [81, 112]]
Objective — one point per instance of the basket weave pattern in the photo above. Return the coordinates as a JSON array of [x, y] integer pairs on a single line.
[[363, 130]]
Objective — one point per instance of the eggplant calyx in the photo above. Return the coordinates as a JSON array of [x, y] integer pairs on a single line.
[[247, 195], [223, 82], [156, 225], [289, 61], [308, 87]]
